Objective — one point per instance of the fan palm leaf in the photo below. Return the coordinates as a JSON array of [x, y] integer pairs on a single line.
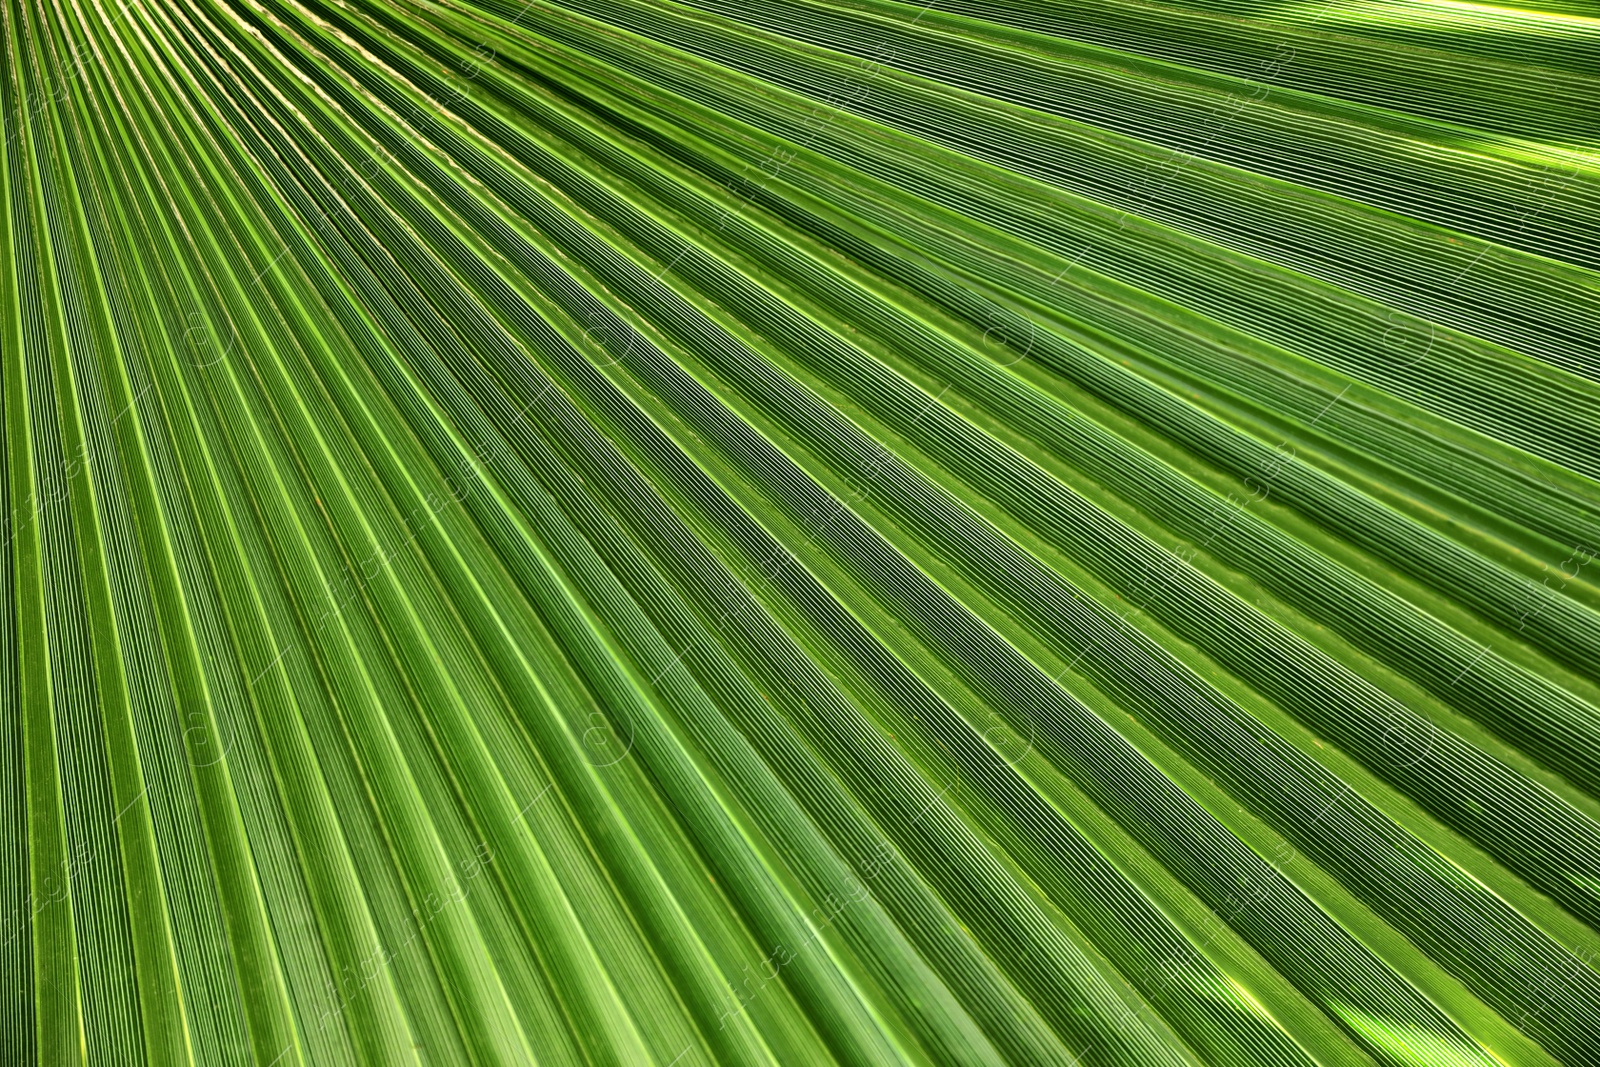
[[631, 531]]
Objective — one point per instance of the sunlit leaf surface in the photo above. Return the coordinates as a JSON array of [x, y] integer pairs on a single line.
[[628, 532]]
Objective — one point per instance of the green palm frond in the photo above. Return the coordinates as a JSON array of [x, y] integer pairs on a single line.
[[628, 531]]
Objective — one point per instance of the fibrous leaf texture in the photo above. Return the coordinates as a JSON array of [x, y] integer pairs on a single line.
[[623, 532]]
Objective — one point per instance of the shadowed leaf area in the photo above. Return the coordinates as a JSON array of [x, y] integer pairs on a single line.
[[625, 532]]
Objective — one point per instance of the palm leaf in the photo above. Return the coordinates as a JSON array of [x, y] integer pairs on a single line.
[[632, 531]]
